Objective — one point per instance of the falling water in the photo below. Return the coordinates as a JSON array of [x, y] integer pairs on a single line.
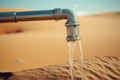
[[81, 59], [71, 46]]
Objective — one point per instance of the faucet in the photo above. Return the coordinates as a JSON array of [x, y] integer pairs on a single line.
[[72, 23]]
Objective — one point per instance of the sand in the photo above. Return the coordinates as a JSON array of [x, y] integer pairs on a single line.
[[104, 68], [29, 45], [110, 15]]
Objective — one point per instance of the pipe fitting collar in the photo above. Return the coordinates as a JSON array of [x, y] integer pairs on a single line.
[[72, 23], [57, 12]]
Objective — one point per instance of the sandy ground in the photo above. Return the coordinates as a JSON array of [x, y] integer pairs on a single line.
[[26, 45], [104, 68]]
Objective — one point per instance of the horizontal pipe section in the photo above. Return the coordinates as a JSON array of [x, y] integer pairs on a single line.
[[72, 23], [34, 15], [7, 17], [55, 14]]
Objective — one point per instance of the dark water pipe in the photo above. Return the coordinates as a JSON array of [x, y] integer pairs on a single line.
[[72, 23]]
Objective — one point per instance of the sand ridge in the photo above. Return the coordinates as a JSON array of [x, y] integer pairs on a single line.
[[100, 68], [109, 15]]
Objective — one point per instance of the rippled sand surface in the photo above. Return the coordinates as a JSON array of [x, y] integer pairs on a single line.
[[100, 68]]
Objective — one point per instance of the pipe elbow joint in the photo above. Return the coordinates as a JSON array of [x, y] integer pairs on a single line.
[[71, 17], [72, 23], [67, 14]]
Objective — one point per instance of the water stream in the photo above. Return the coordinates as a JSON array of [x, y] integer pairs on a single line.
[[71, 51], [71, 46], [81, 59]]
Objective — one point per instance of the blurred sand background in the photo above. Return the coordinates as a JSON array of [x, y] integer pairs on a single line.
[[42, 43]]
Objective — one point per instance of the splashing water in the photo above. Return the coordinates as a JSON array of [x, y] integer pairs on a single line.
[[71, 46]]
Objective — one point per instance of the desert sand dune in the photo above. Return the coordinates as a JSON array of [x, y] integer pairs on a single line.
[[28, 45], [105, 68], [110, 15]]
